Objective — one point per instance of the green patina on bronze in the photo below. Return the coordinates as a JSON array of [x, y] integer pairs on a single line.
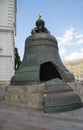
[[42, 64], [59, 97], [41, 60]]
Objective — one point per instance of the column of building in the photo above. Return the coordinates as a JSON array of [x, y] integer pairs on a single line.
[[7, 42]]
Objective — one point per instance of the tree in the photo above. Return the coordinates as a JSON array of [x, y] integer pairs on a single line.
[[17, 59]]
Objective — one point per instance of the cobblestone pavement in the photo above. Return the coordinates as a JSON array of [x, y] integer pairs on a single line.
[[13, 117]]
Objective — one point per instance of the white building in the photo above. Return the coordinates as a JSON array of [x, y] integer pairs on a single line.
[[7, 34]]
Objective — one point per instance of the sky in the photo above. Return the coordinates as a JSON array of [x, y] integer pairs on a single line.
[[63, 18]]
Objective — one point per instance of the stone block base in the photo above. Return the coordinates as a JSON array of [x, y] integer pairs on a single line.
[[31, 96], [4, 82]]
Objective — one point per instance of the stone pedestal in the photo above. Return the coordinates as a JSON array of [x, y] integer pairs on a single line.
[[31, 96]]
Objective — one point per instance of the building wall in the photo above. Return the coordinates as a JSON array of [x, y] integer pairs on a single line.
[[75, 67], [7, 43]]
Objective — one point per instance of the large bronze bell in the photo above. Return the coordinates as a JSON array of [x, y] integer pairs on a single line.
[[41, 60], [42, 64]]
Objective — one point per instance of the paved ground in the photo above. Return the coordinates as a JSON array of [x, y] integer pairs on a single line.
[[20, 118]]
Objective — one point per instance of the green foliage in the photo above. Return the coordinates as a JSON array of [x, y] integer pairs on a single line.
[[17, 59]]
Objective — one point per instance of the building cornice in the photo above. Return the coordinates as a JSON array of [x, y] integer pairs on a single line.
[[7, 30], [5, 56], [73, 61]]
